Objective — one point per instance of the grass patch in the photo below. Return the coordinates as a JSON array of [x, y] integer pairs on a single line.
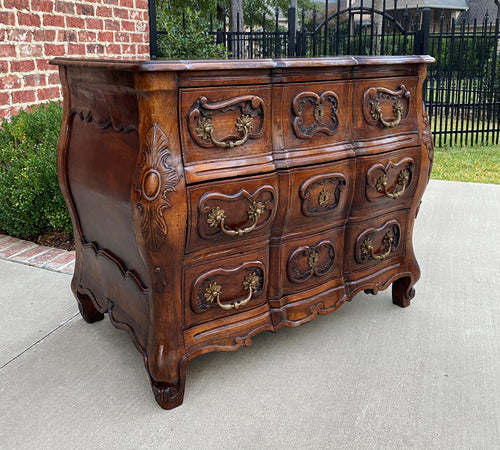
[[469, 164]]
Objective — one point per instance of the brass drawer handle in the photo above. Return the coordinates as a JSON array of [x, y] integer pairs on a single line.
[[367, 247], [217, 217], [205, 130], [376, 112], [214, 291], [403, 179]]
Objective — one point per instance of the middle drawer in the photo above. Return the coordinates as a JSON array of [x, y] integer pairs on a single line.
[[231, 212]]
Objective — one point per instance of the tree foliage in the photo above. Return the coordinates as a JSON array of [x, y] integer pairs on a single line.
[[186, 36], [255, 7]]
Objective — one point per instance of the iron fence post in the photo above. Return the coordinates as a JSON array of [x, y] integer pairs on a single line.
[[292, 32], [421, 42], [153, 35]]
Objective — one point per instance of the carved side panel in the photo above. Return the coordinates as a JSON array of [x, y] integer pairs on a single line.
[[240, 214], [320, 194], [228, 123], [427, 139], [154, 179], [391, 180], [315, 113], [377, 244], [106, 108], [306, 262], [385, 107]]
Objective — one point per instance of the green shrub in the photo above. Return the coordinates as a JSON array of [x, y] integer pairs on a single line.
[[30, 200], [186, 37]]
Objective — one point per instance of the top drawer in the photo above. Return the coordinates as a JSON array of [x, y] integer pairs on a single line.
[[385, 106], [227, 126], [316, 114]]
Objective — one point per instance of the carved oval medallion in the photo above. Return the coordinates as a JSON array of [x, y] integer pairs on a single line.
[[151, 184]]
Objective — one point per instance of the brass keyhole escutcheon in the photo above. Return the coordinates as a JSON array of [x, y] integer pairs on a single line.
[[324, 196], [313, 259], [319, 113]]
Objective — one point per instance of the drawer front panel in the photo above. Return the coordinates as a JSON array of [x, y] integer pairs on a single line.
[[225, 123], [387, 180], [375, 242], [316, 114], [226, 287], [312, 261], [386, 106], [233, 212], [321, 195]]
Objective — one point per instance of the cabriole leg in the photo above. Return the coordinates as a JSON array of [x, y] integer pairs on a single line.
[[87, 309], [169, 392], [402, 292]]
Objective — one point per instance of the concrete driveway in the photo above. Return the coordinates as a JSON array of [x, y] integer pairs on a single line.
[[371, 375]]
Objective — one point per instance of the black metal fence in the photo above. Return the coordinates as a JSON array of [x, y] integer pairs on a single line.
[[462, 90]]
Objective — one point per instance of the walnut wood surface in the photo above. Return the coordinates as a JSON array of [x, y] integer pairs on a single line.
[[212, 200]]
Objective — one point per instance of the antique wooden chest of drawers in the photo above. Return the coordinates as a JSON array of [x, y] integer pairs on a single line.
[[212, 200]]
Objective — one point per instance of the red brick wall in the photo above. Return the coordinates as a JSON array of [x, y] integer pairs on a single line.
[[34, 31]]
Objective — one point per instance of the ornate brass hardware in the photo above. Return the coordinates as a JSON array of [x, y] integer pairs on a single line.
[[367, 247], [323, 198], [376, 112], [205, 130], [319, 113], [313, 259], [217, 217], [214, 291], [403, 179]]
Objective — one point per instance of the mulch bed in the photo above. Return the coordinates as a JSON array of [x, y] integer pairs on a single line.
[[56, 239]]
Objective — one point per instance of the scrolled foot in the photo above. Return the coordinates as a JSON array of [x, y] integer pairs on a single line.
[[87, 309], [402, 292], [167, 395]]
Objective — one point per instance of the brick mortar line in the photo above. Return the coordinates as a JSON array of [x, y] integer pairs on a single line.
[[28, 261], [31, 247]]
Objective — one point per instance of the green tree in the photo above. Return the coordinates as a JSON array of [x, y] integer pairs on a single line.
[[258, 7], [186, 36]]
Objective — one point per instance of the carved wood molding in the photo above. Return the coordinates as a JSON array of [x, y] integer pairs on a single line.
[[154, 179], [427, 139], [315, 114], [105, 108], [213, 125], [127, 274], [385, 107], [306, 262], [101, 120], [320, 194]]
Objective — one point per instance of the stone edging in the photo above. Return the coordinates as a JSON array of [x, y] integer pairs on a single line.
[[25, 252]]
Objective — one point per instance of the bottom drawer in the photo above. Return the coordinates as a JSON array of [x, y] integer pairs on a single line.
[[224, 288], [376, 241], [310, 261]]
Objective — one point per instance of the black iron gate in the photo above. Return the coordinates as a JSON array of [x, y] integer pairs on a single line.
[[462, 89]]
